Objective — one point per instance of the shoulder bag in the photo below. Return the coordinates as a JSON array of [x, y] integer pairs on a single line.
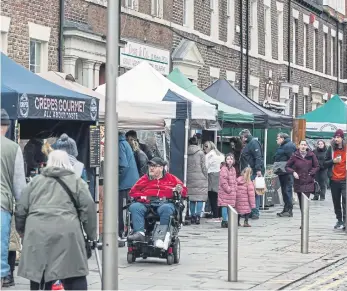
[[68, 191]]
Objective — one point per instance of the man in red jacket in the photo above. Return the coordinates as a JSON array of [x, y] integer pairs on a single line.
[[153, 189]]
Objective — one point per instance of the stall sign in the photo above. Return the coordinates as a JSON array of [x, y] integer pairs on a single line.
[[94, 146], [134, 53], [52, 107]]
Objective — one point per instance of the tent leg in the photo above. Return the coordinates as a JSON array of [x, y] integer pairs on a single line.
[[185, 163], [164, 144], [265, 158]]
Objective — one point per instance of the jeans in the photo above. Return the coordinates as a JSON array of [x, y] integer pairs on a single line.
[[286, 182], [195, 208], [75, 283], [225, 213], [139, 210], [255, 211], [338, 192], [5, 240]]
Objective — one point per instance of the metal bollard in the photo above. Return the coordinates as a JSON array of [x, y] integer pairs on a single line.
[[305, 220], [232, 244]]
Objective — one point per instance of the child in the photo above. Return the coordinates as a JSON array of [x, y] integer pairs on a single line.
[[227, 187], [245, 195]]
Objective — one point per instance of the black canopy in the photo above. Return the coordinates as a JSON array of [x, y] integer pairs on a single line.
[[223, 91]]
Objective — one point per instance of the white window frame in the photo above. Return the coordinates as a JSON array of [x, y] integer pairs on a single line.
[[185, 12], [332, 54], [324, 53], [254, 88], [4, 28], [157, 8], [295, 100], [212, 4], [305, 57], [280, 30], [340, 56], [295, 55], [214, 19], [314, 48], [38, 61], [267, 30], [231, 21], [231, 77], [254, 27], [188, 13], [41, 34], [129, 4]]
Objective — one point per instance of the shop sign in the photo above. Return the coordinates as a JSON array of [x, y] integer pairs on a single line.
[[52, 107], [134, 53]]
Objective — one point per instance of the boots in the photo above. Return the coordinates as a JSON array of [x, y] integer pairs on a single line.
[[197, 220], [315, 198], [246, 224], [8, 281], [193, 219], [224, 224]]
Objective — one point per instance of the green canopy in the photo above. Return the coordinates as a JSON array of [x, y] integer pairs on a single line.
[[225, 112], [326, 119]]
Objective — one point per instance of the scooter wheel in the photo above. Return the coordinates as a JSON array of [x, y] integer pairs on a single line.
[[170, 259], [131, 258]]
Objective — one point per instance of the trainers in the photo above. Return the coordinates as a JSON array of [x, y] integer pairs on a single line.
[[224, 224], [315, 198], [246, 224], [339, 225], [137, 236], [8, 281]]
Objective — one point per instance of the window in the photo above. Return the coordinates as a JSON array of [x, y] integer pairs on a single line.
[[214, 19], [229, 8], [333, 56], [212, 4], [253, 94], [267, 30], [306, 45], [231, 21], [295, 41], [340, 55], [4, 28], [231, 77], [254, 27], [280, 34], [306, 104], [315, 49], [129, 4], [35, 56], [157, 8], [3, 44], [325, 53], [295, 105], [185, 12]]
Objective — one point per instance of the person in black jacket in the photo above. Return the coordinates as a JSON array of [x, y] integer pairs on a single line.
[[322, 175], [130, 135], [283, 153], [252, 156]]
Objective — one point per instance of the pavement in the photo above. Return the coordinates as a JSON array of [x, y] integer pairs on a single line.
[[269, 255]]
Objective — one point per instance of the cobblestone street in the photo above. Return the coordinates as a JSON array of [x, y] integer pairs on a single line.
[[269, 257]]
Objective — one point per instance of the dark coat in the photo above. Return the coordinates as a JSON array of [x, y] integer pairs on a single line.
[[285, 151], [321, 154], [252, 156], [141, 162], [146, 150], [306, 168]]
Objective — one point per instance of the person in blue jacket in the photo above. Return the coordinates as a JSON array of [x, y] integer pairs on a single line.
[[128, 176]]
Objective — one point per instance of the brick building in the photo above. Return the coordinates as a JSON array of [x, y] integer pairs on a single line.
[[294, 52], [30, 33]]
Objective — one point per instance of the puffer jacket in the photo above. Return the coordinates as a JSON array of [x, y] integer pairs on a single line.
[[227, 187], [245, 196], [197, 181]]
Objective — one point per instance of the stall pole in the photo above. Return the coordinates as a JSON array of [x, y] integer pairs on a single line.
[[186, 138], [164, 144], [97, 202], [110, 227], [265, 157]]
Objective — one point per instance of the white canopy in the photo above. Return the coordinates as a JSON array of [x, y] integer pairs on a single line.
[[132, 115], [144, 84]]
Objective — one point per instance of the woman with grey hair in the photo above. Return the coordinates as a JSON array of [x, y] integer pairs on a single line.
[[50, 222]]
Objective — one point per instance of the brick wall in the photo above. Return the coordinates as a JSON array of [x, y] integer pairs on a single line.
[[43, 12]]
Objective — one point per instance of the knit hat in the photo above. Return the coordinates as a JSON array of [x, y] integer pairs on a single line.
[[5, 119], [339, 133], [67, 144]]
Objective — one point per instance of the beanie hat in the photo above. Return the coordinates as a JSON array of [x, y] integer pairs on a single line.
[[339, 133], [5, 119], [67, 144]]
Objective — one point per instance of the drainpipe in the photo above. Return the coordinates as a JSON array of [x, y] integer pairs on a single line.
[[289, 36], [247, 47], [337, 57], [241, 45], [61, 36]]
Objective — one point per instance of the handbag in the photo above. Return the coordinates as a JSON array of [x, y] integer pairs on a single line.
[[68, 191], [317, 188], [279, 168]]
